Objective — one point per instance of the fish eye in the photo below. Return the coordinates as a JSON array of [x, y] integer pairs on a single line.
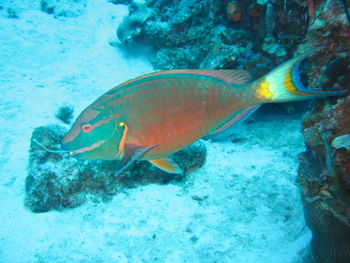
[[87, 128]]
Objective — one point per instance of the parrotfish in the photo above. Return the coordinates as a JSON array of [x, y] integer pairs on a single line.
[[154, 115]]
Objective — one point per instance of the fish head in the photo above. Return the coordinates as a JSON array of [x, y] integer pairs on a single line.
[[94, 135]]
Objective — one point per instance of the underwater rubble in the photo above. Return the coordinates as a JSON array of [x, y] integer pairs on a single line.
[[65, 8], [57, 181], [58, 8]]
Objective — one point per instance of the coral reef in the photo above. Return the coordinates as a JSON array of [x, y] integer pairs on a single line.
[[57, 181], [231, 34], [324, 170], [328, 26], [65, 8], [324, 177]]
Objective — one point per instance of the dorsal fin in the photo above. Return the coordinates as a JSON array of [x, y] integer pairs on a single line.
[[230, 75]]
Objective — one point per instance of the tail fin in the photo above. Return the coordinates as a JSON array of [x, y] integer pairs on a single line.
[[284, 84]]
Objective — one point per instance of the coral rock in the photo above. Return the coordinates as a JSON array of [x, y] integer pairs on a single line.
[[132, 24]]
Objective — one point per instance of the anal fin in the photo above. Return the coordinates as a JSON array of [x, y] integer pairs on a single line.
[[167, 165], [226, 129]]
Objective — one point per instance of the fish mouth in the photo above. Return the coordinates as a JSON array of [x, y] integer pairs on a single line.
[[87, 148]]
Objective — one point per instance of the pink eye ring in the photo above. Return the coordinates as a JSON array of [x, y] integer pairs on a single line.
[[87, 128]]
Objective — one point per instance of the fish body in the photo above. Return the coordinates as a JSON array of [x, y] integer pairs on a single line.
[[160, 113], [172, 109]]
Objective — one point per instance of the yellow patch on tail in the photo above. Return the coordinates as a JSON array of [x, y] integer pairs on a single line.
[[263, 91]]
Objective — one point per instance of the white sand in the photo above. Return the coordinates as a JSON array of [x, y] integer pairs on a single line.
[[252, 212]]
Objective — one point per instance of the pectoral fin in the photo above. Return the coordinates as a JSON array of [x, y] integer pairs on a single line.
[[167, 165], [132, 153]]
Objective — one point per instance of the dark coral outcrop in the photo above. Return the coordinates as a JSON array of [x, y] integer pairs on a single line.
[[324, 178], [324, 170]]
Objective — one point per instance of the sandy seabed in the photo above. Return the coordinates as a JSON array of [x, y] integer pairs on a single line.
[[252, 210]]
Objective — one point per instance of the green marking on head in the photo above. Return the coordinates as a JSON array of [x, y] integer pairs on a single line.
[[94, 135]]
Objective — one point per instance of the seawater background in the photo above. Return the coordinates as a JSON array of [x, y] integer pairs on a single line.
[[252, 213]]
